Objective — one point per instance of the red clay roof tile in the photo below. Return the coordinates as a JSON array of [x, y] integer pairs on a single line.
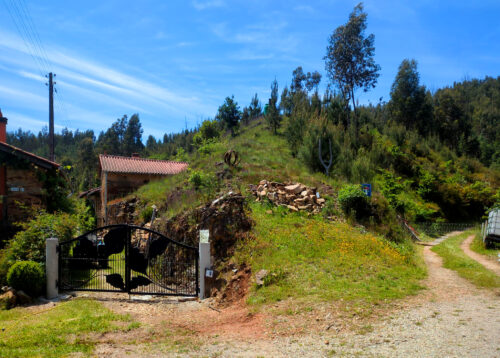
[[136, 165]]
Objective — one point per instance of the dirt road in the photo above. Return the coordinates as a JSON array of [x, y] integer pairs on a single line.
[[490, 264], [451, 318]]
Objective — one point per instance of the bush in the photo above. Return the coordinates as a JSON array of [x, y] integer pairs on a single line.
[[209, 130], [353, 200], [29, 244], [200, 180], [27, 276]]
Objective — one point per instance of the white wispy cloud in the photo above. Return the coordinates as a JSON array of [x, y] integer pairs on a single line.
[[304, 8], [202, 5], [81, 72], [262, 39], [13, 95], [32, 76], [19, 120]]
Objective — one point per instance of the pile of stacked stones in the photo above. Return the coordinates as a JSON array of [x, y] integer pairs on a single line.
[[295, 196]]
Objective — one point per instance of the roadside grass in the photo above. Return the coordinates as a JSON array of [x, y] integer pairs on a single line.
[[478, 246], [310, 258], [454, 258], [59, 331]]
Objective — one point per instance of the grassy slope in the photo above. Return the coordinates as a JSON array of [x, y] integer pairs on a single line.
[[58, 331], [263, 156], [311, 258], [454, 258], [316, 258]]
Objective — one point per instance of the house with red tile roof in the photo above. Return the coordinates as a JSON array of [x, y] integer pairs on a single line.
[[20, 181], [122, 175]]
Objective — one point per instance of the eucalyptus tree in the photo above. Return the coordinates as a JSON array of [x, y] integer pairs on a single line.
[[349, 60]]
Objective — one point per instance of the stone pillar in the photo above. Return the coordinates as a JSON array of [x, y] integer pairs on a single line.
[[52, 267], [204, 260]]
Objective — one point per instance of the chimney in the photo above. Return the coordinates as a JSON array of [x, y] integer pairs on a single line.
[[135, 155], [3, 128]]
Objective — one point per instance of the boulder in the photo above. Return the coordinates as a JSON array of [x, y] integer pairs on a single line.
[[260, 276], [8, 300], [23, 298]]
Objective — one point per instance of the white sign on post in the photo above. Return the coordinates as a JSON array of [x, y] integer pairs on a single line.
[[204, 260], [204, 236]]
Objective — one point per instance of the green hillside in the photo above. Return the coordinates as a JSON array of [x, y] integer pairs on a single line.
[[319, 257]]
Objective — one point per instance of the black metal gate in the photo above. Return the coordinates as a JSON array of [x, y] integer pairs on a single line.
[[128, 258]]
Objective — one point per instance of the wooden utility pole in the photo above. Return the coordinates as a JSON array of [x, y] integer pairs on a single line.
[[51, 117]]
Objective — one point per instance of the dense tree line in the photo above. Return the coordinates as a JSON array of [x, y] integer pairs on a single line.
[[78, 151]]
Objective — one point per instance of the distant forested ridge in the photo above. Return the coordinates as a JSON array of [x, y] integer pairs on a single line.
[[432, 156]]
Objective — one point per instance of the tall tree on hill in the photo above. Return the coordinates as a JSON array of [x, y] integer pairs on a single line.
[[410, 104], [349, 56], [273, 115], [229, 114], [286, 103], [255, 108], [312, 81], [132, 138], [245, 115], [151, 144], [298, 76], [110, 142], [86, 163]]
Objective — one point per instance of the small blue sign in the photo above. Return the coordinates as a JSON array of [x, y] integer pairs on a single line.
[[367, 189]]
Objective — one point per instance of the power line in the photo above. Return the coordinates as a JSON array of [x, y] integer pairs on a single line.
[[27, 29], [36, 36], [23, 37]]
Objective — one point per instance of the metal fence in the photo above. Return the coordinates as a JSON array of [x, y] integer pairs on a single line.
[[434, 230]]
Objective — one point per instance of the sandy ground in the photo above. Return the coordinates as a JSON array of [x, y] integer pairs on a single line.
[[451, 318]]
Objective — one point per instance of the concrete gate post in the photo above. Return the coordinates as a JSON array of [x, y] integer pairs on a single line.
[[204, 260], [52, 267]]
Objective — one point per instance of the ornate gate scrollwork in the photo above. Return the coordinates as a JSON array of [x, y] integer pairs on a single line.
[[128, 258]]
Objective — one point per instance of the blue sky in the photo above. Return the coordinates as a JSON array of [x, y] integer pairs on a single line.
[[174, 62]]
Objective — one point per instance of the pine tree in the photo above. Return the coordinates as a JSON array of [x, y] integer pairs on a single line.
[[229, 114], [273, 115]]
